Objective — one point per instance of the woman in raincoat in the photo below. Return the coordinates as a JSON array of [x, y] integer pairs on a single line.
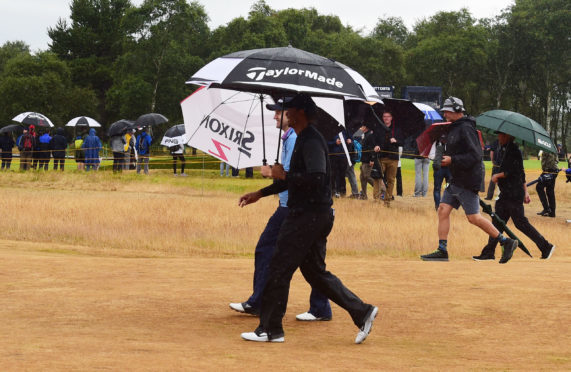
[[92, 146]]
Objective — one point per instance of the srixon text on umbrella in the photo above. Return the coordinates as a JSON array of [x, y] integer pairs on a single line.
[[226, 131]]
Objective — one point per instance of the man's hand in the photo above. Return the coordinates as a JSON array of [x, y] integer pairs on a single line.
[[266, 170], [348, 140], [377, 149], [278, 172], [526, 198], [393, 140], [338, 141], [446, 161], [250, 198], [495, 178]]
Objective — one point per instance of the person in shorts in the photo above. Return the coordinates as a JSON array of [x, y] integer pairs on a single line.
[[463, 155]]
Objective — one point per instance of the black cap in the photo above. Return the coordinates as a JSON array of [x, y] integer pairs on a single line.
[[301, 101], [279, 105]]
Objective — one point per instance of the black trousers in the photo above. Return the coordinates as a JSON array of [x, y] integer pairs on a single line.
[[59, 161], [546, 192], [338, 168], [182, 162], [302, 243], [118, 158], [506, 209]]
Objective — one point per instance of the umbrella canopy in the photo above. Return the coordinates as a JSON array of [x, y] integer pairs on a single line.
[[517, 125], [83, 121], [429, 113], [175, 135], [149, 120], [33, 118], [283, 70], [228, 125], [12, 128], [406, 116], [119, 128], [430, 135]]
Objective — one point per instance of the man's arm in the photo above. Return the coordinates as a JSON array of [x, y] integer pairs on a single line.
[[473, 151]]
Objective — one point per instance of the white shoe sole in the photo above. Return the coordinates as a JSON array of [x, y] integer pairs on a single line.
[[366, 330], [550, 253], [237, 307], [252, 336]]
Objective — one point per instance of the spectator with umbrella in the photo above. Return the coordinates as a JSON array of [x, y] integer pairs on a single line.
[[27, 146], [6, 145], [44, 150], [387, 146], [91, 146], [174, 139], [117, 144], [510, 178], [58, 144], [143, 146], [79, 152], [463, 154]]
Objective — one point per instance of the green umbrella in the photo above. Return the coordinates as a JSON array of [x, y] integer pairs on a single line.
[[488, 209], [517, 125]]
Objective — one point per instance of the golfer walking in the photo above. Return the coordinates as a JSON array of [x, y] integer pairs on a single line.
[[303, 236]]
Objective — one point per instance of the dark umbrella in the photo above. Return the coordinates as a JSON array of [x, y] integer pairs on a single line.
[[517, 125], [12, 128], [175, 135], [33, 118], [358, 112], [149, 120], [118, 128], [487, 208], [406, 116]]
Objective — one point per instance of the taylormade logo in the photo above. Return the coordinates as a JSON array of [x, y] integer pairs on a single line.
[[259, 73], [544, 143]]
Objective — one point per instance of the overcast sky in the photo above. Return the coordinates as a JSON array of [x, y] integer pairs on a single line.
[[28, 20]]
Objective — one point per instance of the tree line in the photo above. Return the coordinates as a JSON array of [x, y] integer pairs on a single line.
[[114, 60]]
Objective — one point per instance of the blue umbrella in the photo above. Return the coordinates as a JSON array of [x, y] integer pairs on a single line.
[[429, 113]]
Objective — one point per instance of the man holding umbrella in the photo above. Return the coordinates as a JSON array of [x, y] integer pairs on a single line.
[[513, 194], [303, 234], [463, 155]]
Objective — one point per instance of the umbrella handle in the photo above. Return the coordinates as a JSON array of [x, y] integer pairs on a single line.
[[264, 160], [280, 136]]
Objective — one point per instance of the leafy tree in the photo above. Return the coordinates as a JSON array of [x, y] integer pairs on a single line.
[[449, 50], [42, 83], [91, 43], [391, 28]]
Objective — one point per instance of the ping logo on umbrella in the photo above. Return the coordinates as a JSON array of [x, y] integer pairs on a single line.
[[544, 143], [259, 73]]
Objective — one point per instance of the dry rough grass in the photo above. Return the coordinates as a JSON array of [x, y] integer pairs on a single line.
[[135, 273]]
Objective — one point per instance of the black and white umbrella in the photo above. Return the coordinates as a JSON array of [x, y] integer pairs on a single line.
[[33, 118], [83, 121], [119, 128], [175, 135], [149, 120], [285, 71], [228, 125]]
